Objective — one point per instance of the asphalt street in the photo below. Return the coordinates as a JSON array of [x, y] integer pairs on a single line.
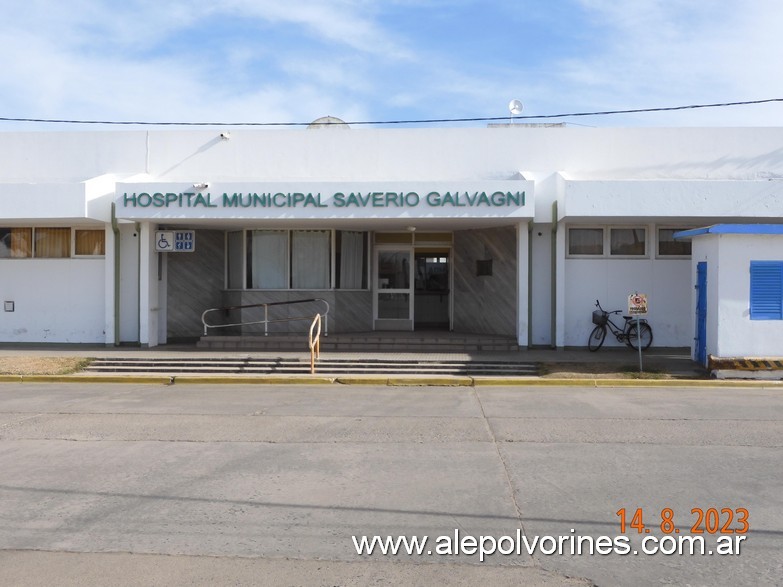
[[131, 484]]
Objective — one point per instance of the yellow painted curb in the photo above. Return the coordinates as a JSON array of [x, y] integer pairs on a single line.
[[153, 379], [256, 380], [10, 378], [362, 380], [684, 383], [432, 381], [531, 381]]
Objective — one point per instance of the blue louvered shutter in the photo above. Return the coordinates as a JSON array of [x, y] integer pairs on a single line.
[[766, 290]]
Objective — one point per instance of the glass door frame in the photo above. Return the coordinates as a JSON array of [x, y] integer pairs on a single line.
[[377, 290]]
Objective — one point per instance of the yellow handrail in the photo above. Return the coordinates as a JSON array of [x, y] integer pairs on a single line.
[[315, 342]]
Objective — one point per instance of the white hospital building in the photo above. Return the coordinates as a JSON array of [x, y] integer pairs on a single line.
[[128, 236]]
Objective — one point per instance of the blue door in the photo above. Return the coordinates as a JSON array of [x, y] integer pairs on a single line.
[[701, 312]]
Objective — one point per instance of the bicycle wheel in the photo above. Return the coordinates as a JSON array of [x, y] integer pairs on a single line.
[[633, 339], [597, 337]]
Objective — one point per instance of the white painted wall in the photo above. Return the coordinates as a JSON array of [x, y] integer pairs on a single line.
[[55, 300], [667, 284]]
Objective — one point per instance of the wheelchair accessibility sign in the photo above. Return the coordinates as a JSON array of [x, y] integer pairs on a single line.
[[175, 241]]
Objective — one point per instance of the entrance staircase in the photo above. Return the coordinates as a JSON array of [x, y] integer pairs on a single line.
[[342, 354], [300, 366]]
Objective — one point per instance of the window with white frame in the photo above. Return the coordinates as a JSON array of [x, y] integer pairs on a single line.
[[351, 251], [311, 259], [16, 243], [27, 242], [607, 241], [89, 243], [586, 241], [668, 246], [628, 242], [267, 266]]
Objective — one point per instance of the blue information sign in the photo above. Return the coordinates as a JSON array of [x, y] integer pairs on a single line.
[[175, 241]]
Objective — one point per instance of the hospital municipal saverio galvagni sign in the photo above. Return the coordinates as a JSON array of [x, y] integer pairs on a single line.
[[366, 199]]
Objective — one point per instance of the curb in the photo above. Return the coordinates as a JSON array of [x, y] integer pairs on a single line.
[[256, 380], [440, 381]]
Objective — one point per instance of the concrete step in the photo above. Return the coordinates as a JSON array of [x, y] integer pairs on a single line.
[[359, 343], [171, 366]]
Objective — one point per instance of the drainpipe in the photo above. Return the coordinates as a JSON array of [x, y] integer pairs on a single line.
[[529, 284], [553, 323], [116, 230], [137, 228]]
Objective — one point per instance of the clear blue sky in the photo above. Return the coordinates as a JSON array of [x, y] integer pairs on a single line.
[[281, 61]]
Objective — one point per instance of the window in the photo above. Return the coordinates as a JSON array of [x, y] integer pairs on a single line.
[[586, 241], [52, 243], [297, 259], [766, 290], [267, 259], [669, 247], [607, 241], [310, 259], [351, 259], [16, 243], [628, 242], [89, 242]]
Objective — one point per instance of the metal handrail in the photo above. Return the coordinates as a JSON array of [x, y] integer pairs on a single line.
[[266, 321], [314, 342]]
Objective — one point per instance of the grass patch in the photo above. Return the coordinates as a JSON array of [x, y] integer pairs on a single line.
[[633, 373], [42, 365]]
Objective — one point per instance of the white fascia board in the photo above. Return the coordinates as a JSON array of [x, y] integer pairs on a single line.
[[29, 202], [752, 199]]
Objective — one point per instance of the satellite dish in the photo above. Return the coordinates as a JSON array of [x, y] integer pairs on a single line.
[[328, 122], [515, 107]]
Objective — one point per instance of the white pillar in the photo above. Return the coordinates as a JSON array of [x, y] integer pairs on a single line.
[[148, 286]]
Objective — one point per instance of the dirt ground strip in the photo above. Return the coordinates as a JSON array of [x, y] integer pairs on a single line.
[[41, 365], [600, 370]]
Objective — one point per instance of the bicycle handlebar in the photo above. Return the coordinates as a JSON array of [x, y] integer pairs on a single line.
[[598, 305]]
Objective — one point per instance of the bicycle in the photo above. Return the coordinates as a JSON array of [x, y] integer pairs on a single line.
[[627, 334]]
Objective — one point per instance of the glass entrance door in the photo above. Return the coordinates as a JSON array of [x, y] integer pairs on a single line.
[[393, 292], [432, 310]]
